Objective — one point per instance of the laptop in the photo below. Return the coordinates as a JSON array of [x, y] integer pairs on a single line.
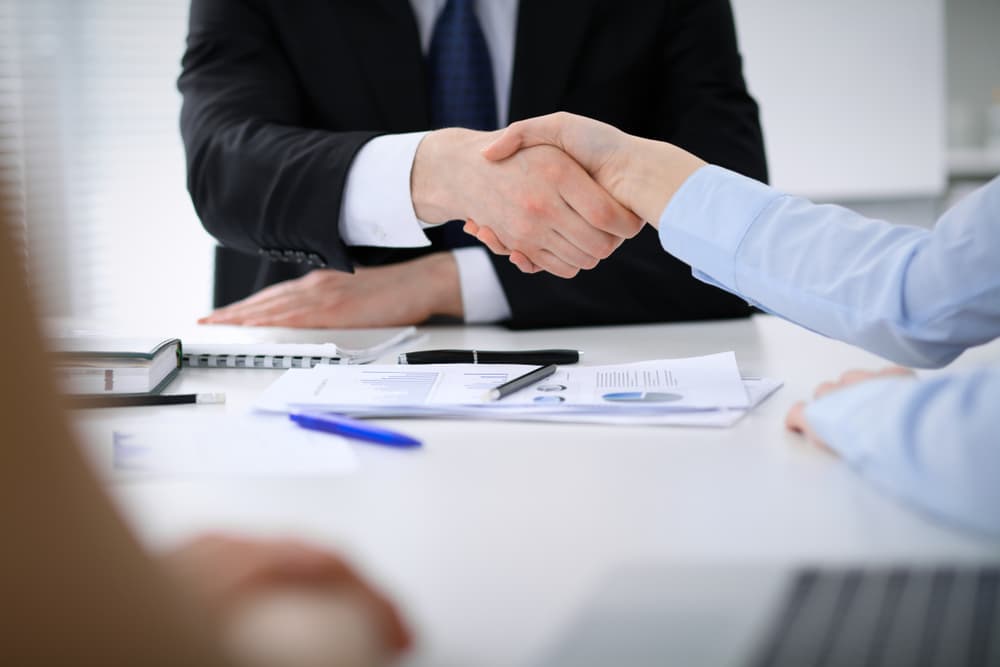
[[746, 616]]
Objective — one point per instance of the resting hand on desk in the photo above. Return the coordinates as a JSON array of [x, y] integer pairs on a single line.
[[383, 296], [796, 419], [539, 202]]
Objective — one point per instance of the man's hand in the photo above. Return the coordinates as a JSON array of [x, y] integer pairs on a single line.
[[540, 202], [383, 296], [641, 174], [228, 574], [796, 418]]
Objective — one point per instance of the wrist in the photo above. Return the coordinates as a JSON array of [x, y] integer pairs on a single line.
[[435, 198], [657, 170], [443, 288]]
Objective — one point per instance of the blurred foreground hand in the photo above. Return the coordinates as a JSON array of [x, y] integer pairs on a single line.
[[281, 602]]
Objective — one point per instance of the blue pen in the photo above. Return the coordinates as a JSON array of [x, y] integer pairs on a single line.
[[352, 428]]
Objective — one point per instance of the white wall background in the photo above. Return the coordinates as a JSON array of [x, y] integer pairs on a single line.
[[851, 93]]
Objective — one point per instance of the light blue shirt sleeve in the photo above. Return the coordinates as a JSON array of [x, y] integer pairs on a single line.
[[916, 296]]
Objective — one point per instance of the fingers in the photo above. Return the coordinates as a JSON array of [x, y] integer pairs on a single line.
[[598, 208], [471, 228], [523, 263], [265, 301], [795, 420], [546, 206], [546, 261], [826, 388], [294, 303], [486, 236], [852, 377], [264, 313], [896, 371], [555, 221]]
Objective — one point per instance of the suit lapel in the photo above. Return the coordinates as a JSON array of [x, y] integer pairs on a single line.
[[550, 34], [386, 42]]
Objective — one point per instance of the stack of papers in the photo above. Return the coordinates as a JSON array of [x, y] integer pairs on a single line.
[[699, 391]]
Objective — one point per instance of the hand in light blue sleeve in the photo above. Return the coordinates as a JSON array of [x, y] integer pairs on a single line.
[[933, 442], [913, 295]]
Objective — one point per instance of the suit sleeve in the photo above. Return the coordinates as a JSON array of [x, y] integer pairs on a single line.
[[705, 103], [700, 103], [261, 181]]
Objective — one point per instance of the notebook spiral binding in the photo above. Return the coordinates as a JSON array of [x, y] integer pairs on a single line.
[[256, 361]]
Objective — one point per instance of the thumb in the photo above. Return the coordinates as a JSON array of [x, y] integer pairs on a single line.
[[524, 134], [508, 143]]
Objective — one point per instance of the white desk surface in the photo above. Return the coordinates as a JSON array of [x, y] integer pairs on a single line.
[[493, 534]]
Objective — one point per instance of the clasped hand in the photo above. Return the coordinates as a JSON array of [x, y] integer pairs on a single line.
[[539, 201], [638, 175]]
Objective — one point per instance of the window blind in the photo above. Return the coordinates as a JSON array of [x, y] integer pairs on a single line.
[[11, 167], [111, 234]]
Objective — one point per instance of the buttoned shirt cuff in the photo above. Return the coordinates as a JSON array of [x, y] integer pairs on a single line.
[[708, 218], [483, 297], [377, 209], [849, 420]]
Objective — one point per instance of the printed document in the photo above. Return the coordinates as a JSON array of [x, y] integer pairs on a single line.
[[605, 394]]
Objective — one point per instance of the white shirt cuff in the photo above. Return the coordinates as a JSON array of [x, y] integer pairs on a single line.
[[483, 297], [378, 209]]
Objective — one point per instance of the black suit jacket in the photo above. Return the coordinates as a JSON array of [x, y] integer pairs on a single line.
[[279, 96]]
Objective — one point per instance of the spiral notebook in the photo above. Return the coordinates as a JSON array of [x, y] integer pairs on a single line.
[[293, 354]]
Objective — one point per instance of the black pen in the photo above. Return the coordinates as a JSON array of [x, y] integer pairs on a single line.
[[534, 357], [137, 400], [520, 382]]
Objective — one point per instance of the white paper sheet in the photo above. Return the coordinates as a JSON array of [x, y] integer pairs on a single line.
[[225, 446]]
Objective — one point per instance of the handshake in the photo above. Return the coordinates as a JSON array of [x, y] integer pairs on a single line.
[[558, 193]]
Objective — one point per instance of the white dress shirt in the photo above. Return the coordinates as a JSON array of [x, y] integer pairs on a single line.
[[913, 295], [378, 210]]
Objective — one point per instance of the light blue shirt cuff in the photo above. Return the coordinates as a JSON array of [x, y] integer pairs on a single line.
[[843, 419], [707, 220]]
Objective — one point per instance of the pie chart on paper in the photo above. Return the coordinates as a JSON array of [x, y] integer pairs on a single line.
[[641, 397]]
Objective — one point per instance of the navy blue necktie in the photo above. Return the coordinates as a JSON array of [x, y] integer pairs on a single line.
[[461, 87]]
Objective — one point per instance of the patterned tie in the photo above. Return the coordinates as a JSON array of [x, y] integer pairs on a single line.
[[461, 88]]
